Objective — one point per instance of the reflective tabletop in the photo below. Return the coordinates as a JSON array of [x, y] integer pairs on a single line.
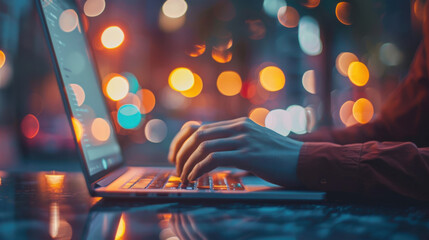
[[46, 205]]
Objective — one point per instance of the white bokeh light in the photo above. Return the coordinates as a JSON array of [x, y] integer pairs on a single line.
[[279, 120]]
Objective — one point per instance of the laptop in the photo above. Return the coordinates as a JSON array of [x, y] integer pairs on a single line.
[[104, 167]]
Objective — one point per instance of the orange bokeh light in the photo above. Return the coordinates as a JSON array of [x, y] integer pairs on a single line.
[[343, 62], [79, 94], [117, 88], [288, 16], [346, 114], [131, 98], [272, 78], [196, 89], [68, 20], [120, 232], [343, 13], [196, 50], [229, 83], [112, 37], [309, 81], [311, 3], [100, 129], [78, 129], [258, 115], [30, 126], [2, 58], [147, 101], [93, 8], [363, 111], [221, 56], [181, 79], [358, 74]]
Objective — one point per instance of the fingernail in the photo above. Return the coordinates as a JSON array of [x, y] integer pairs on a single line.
[[191, 177]]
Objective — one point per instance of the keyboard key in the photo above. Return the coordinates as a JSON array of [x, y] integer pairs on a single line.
[[219, 182], [204, 182], [234, 183], [142, 183], [159, 181]]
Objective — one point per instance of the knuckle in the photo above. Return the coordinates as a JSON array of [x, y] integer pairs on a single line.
[[203, 147], [199, 135]]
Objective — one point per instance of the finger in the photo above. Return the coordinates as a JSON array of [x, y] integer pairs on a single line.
[[195, 228], [212, 161], [187, 130], [186, 227], [207, 147], [201, 135]]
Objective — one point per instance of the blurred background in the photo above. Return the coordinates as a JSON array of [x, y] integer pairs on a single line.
[[290, 65]]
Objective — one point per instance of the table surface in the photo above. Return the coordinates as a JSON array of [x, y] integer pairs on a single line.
[[44, 205]]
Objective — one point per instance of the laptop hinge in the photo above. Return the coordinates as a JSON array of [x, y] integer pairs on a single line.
[[104, 182]]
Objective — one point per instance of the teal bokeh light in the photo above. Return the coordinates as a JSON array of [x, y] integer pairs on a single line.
[[132, 80], [129, 116]]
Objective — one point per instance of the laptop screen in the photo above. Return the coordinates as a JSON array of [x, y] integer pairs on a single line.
[[92, 126]]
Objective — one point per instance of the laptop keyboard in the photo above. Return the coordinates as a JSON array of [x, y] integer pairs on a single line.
[[167, 180]]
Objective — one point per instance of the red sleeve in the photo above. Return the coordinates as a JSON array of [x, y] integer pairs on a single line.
[[372, 168]]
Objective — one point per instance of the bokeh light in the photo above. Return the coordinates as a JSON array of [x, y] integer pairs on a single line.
[[248, 90], [358, 73], [390, 55], [258, 115], [112, 37], [68, 20], [181, 79], [77, 128], [311, 3], [30, 126], [221, 56], [271, 7], [79, 94], [2, 58], [342, 11], [279, 121], [173, 100], [168, 24], [174, 8], [346, 114], [117, 88], [343, 62], [156, 130], [272, 78], [196, 50], [363, 111], [120, 231], [131, 98], [309, 81], [129, 116], [229, 83], [288, 17], [256, 28], [196, 89], [309, 36], [298, 119], [100, 129], [132, 82], [93, 8], [147, 101]]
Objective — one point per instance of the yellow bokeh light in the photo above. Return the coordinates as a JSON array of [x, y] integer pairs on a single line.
[[258, 115], [229, 83], [112, 37], [117, 88], [174, 8], [93, 8], [343, 62], [358, 73], [78, 129], [346, 114], [309, 81], [343, 13], [363, 111], [100, 129], [196, 89], [221, 56], [2, 58], [272, 78], [181, 79]]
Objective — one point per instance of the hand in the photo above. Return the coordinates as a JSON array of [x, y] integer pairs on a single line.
[[239, 143]]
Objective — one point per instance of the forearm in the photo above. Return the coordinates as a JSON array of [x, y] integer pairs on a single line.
[[371, 168]]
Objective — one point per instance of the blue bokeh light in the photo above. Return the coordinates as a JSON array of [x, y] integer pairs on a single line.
[[129, 116]]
